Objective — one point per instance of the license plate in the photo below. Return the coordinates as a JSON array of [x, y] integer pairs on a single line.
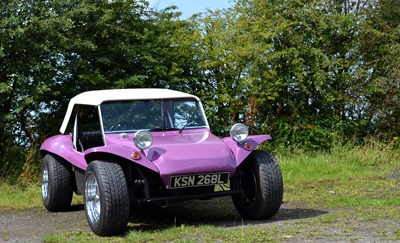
[[199, 180]]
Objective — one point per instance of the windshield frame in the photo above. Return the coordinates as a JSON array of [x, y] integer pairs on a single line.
[[163, 102]]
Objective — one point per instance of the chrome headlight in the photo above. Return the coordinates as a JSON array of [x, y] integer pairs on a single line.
[[143, 139], [239, 132]]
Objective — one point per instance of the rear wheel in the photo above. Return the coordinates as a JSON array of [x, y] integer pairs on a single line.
[[57, 184], [106, 198], [260, 180]]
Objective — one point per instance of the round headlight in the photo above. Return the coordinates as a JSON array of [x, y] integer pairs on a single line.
[[143, 139], [239, 132]]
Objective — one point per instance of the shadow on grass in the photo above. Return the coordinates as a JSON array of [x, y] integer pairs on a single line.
[[216, 212]]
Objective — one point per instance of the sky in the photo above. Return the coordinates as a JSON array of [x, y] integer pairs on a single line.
[[189, 7]]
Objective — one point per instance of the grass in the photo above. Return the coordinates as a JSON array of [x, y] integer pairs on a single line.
[[23, 196], [201, 233], [347, 176], [19, 197], [337, 196]]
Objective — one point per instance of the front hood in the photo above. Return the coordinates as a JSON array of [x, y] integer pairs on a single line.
[[193, 151]]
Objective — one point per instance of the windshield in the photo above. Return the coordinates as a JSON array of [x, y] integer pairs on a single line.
[[133, 115]]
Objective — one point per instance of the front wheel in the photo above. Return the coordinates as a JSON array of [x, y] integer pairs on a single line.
[[106, 198], [260, 180]]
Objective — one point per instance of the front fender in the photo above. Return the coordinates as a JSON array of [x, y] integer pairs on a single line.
[[239, 151], [119, 151]]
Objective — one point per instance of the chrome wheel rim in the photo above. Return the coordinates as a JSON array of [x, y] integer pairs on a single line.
[[92, 199], [45, 183]]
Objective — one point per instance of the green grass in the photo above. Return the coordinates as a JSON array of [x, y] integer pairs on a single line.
[[201, 233], [19, 197], [22, 196], [347, 176], [326, 195]]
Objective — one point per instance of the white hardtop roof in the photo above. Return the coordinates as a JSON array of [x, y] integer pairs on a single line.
[[96, 97]]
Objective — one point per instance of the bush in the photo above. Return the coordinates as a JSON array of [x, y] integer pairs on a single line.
[[20, 164], [312, 137]]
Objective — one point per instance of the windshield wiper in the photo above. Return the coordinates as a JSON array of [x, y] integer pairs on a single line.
[[189, 121]]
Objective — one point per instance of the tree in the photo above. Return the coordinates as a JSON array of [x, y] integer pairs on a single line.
[[53, 50], [295, 68], [288, 64], [381, 50]]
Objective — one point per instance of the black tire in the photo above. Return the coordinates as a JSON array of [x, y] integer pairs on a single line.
[[57, 184], [261, 183], [106, 198]]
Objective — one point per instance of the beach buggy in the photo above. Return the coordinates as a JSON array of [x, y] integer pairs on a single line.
[[123, 149]]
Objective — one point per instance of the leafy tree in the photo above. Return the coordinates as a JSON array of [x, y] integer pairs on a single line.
[[290, 67], [25, 67], [282, 62], [380, 47], [53, 50], [206, 64]]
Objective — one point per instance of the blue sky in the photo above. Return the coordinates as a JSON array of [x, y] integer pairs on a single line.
[[189, 7]]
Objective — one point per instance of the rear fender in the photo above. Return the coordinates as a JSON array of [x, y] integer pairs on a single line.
[[58, 144], [238, 149], [62, 146], [118, 151]]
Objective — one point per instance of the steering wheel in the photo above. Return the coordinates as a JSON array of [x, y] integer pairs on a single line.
[[122, 125]]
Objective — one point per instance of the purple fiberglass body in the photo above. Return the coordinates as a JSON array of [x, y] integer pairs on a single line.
[[123, 149]]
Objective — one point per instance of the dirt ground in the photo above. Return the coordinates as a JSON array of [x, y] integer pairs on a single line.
[[295, 222], [31, 225]]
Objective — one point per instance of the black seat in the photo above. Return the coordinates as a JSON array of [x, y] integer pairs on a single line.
[[91, 139]]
